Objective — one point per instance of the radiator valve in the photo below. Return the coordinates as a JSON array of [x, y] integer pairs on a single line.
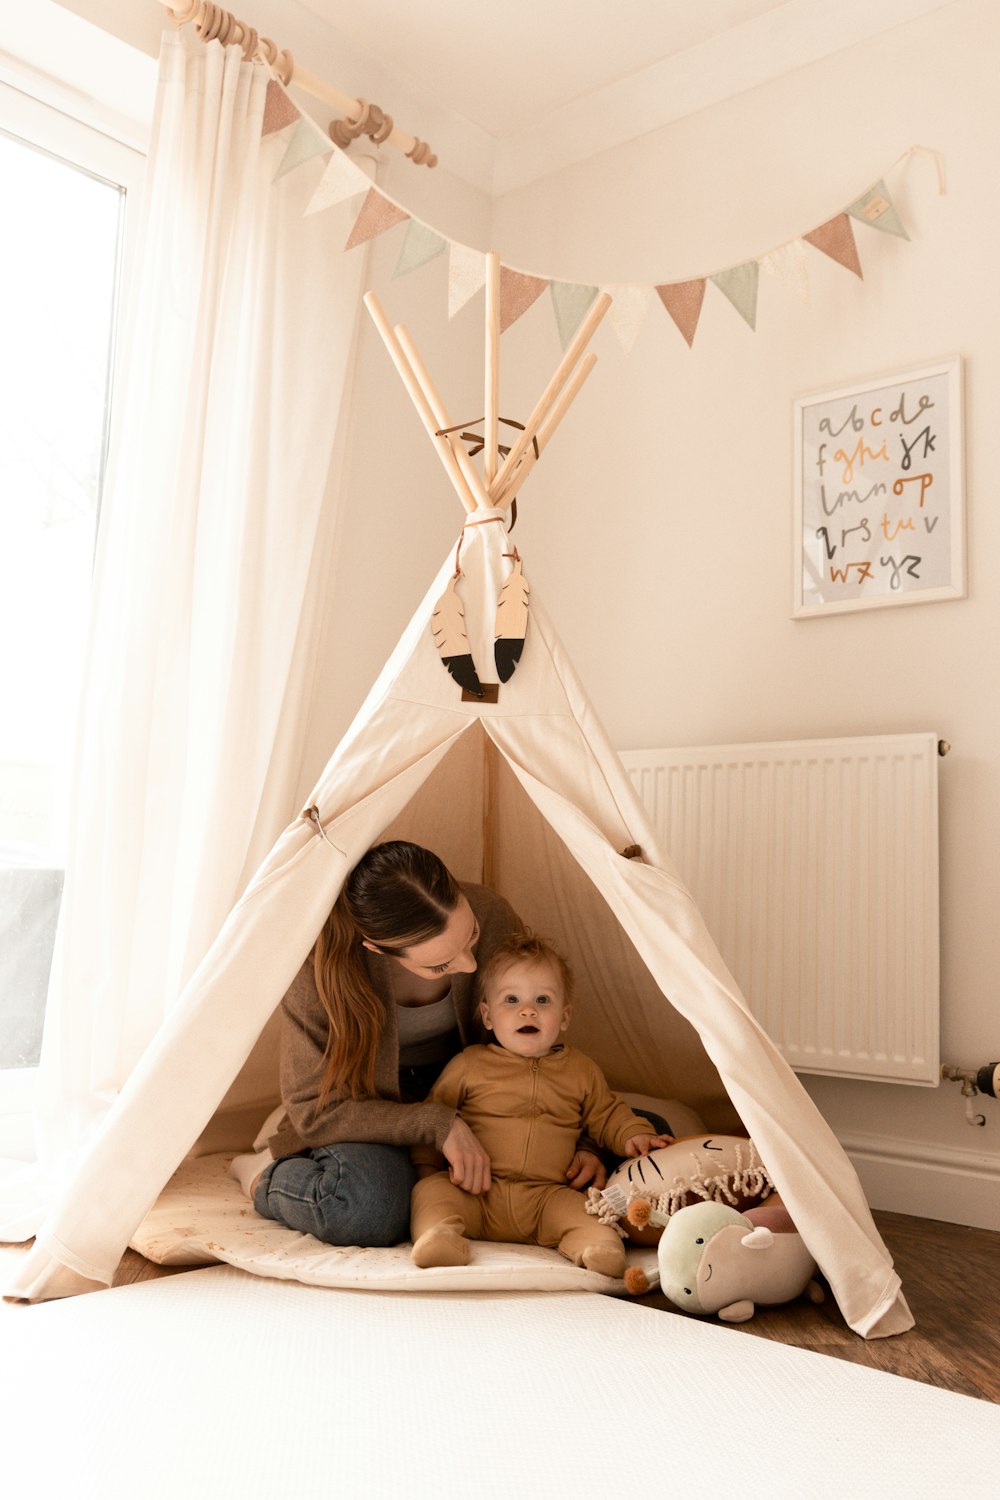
[[984, 1080]]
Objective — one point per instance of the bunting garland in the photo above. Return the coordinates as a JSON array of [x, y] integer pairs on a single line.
[[836, 239], [787, 264], [683, 300]]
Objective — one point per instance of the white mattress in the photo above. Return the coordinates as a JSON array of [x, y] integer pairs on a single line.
[[218, 1384], [202, 1216]]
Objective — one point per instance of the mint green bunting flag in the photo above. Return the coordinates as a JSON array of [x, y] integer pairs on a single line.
[[306, 143], [739, 284], [419, 246], [571, 302], [877, 209]]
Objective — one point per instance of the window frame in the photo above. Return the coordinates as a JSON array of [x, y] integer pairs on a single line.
[[52, 127]]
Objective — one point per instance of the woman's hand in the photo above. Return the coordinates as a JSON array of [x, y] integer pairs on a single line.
[[468, 1164], [641, 1145], [586, 1170]]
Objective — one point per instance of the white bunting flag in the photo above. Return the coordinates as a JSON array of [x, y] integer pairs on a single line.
[[466, 274]]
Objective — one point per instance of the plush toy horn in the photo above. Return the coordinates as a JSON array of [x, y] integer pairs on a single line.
[[759, 1238]]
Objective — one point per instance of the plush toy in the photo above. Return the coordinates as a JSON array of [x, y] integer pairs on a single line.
[[695, 1168], [713, 1259]]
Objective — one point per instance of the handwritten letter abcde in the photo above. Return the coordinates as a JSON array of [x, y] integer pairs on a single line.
[[878, 473]]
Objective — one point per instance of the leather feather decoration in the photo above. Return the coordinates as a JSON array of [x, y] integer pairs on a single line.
[[511, 623], [452, 641]]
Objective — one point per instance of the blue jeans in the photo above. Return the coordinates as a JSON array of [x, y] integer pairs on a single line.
[[349, 1194]]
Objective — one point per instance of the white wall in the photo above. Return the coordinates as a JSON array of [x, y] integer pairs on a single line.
[[678, 464], [667, 495]]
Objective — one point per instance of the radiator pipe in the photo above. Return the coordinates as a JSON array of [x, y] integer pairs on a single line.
[[984, 1080]]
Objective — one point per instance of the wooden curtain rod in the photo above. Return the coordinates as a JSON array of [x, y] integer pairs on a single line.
[[357, 116]]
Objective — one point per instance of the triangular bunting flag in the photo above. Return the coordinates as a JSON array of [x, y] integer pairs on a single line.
[[304, 143], [377, 215], [517, 293], [683, 300], [740, 285], [419, 246], [341, 180], [836, 239], [628, 311], [279, 110], [570, 301], [788, 265], [466, 274], [877, 209]]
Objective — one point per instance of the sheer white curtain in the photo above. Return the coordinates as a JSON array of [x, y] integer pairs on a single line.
[[219, 514]]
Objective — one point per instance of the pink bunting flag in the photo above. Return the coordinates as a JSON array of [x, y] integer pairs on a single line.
[[683, 300], [279, 110], [376, 216], [517, 293], [836, 239]]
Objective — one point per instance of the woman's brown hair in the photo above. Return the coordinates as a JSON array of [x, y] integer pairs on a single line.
[[398, 894]]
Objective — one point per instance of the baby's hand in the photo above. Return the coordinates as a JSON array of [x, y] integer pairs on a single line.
[[641, 1145]]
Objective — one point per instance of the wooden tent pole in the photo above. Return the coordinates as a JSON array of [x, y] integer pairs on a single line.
[[545, 402], [442, 446], [492, 384], [565, 401], [547, 429], [441, 417]]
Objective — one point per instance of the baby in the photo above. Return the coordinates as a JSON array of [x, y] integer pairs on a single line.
[[526, 1097]]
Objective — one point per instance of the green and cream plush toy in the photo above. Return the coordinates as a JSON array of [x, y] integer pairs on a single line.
[[714, 1259]]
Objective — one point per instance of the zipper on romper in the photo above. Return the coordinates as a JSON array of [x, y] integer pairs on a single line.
[[531, 1113]]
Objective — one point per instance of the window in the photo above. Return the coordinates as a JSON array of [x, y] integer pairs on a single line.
[[65, 190]]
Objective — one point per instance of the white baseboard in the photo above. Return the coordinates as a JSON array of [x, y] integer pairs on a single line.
[[928, 1181]]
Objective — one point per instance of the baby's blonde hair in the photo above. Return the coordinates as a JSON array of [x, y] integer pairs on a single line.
[[525, 947]]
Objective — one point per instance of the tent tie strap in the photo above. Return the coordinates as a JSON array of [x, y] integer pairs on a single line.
[[311, 815]]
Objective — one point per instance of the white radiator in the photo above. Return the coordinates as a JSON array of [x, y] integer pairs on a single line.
[[815, 866]]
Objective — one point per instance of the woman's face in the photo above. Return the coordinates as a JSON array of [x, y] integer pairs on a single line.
[[453, 951]]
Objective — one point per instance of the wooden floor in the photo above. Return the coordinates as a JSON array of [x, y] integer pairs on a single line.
[[951, 1280]]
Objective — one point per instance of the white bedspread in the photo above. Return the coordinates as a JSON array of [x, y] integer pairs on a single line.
[[216, 1385]]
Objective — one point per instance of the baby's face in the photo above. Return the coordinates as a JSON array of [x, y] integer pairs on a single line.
[[525, 1007]]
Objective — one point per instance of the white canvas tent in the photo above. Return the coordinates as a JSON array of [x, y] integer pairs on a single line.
[[528, 796]]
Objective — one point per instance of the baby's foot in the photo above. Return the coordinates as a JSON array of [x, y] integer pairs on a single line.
[[608, 1260], [441, 1246]]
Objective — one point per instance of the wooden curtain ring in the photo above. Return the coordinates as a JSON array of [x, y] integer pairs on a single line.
[[382, 130], [360, 125], [230, 30], [210, 22]]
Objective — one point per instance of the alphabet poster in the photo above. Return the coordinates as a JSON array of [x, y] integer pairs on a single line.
[[879, 513]]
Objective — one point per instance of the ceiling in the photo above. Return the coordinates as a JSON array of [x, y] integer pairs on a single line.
[[509, 91], [504, 65], [550, 82]]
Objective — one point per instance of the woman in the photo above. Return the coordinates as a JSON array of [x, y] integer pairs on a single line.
[[382, 1002]]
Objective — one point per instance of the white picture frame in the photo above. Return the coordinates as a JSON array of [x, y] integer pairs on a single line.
[[879, 498]]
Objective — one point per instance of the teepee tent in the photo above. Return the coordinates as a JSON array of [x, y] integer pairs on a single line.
[[516, 785]]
